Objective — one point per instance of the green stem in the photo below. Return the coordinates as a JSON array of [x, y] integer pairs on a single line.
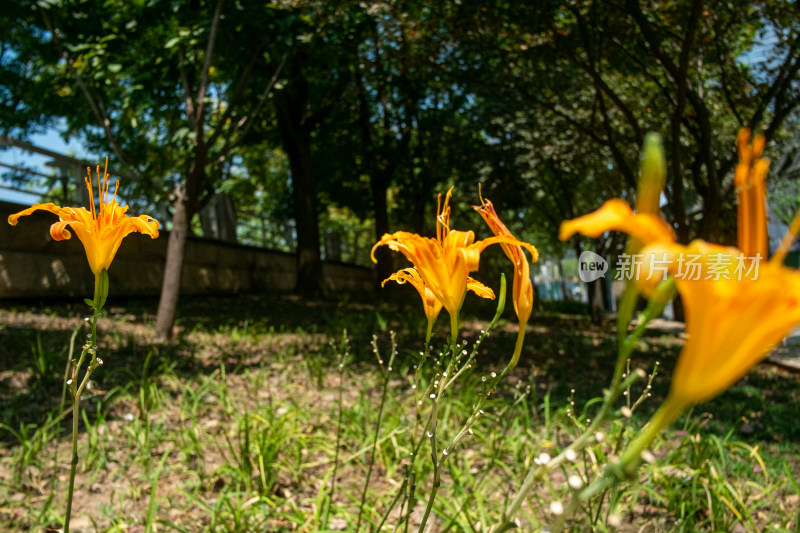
[[76, 391], [629, 461], [627, 305], [665, 416], [329, 499], [98, 289], [385, 389], [454, 330], [537, 472], [433, 422], [437, 481], [74, 464], [429, 332], [517, 350], [416, 444]]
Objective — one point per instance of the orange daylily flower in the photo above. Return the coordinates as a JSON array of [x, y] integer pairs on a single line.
[[737, 308], [523, 288], [431, 304], [100, 229], [732, 322], [444, 263]]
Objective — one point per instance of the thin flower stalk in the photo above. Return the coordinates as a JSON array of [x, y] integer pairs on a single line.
[[384, 391], [538, 472]]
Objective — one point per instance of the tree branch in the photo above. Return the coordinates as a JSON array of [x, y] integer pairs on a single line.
[[95, 106], [234, 99], [247, 124], [187, 91], [212, 37]]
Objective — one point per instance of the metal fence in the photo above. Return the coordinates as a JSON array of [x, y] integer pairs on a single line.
[[219, 220]]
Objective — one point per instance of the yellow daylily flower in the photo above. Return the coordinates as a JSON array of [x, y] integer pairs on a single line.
[[523, 288], [737, 308], [100, 229], [444, 263]]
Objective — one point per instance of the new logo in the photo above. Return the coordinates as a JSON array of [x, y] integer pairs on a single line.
[[591, 267]]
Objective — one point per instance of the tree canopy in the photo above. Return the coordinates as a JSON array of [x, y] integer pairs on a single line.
[[370, 109]]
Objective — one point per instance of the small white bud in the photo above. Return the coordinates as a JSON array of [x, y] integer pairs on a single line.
[[556, 508], [544, 458]]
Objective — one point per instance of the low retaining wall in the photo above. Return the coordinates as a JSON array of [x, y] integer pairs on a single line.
[[32, 264]]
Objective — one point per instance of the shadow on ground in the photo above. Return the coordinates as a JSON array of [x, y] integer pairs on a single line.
[[563, 353]]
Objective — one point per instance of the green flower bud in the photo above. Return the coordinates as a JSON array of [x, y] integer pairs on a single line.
[[653, 175]]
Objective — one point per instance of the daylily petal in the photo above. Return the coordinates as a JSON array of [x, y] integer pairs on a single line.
[[615, 214], [53, 208], [59, 232], [480, 289], [507, 239]]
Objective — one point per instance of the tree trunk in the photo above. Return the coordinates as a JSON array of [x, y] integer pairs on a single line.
[[379, 179], [591, 288], [173, 267], [596, 300], [537, 298], [606, 291], [564, 286], [678, 311], [297, 143], [309, 261]]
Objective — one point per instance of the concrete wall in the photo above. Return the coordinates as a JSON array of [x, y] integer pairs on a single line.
[[32, 264]]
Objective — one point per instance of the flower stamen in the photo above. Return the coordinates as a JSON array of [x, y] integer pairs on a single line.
[[749, 179]]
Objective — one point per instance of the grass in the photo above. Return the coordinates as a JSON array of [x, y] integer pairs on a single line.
[[260, 417]]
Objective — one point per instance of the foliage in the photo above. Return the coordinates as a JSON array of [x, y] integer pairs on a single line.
[[545, 105]]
